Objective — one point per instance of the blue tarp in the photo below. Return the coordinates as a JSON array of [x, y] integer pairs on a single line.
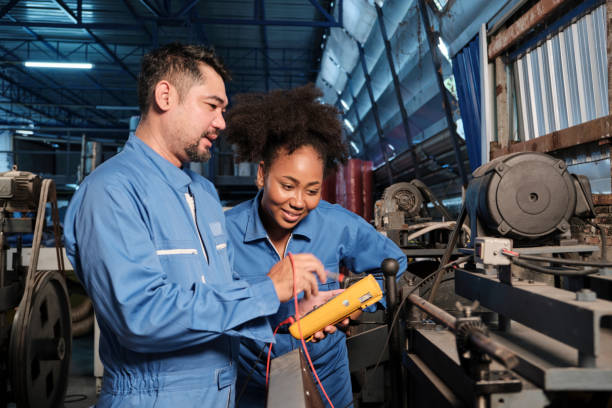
[[466, 69]]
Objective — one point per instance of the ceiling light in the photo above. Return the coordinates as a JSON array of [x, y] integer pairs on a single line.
[[24, 132], [354, 146], [344, 104], [67, 65], [349, 125]]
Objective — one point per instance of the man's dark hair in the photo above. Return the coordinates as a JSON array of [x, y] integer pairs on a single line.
[[260, 125], [178, 64]]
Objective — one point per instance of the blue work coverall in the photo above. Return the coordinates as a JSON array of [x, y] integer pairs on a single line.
[[334, 235], [170, 316]]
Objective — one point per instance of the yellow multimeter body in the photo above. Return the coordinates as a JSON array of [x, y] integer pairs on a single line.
[[360, 295]]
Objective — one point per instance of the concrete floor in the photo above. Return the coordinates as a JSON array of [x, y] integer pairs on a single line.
[[81, 391]]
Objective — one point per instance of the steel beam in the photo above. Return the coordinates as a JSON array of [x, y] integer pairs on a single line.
[[532, 305], [398, 92], [151, 8], [327, 16], [67, 11], [56, 51], [536, 14], [587, 132], [8, 7], [379, 130], [287, 23], [433, 49], [137, 18], [352, 91], [260, 13], [186, 8]]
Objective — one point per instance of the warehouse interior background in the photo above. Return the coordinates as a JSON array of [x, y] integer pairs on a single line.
[[427, 89], [378, 62]]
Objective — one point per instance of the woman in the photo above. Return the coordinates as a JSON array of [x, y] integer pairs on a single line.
[[296, 139]]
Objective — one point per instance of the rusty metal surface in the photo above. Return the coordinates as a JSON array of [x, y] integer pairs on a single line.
[[520, 27], [592, 131]]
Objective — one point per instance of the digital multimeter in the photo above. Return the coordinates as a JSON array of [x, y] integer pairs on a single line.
[[360, 295]]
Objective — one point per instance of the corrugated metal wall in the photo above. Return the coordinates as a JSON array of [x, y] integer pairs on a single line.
[[564, 81]]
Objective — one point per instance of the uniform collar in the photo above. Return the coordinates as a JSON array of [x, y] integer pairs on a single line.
[[255, 229], [174, 176]]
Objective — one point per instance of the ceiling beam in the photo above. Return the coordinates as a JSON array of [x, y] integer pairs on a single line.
[[137, 19], [8, 7], [53, 81], [91, 26], [173, 22], [151, 8], [327, 16], [186, 7], [57, 52], [69, 13], [97, 39]]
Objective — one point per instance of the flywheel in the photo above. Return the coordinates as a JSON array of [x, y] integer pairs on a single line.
[[40, 344]]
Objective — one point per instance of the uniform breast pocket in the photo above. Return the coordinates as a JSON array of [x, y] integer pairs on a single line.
[[331, 283], [222, 254], [180, 261]]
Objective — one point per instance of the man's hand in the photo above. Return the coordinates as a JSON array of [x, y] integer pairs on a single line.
[[306, 266]]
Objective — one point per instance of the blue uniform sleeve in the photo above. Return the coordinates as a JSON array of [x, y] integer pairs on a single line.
[[110, 246], [367, 249]]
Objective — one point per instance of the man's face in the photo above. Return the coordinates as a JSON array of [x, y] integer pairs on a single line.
[[199, 118]]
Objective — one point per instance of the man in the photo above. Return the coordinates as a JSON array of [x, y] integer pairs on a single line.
[[147, 239]]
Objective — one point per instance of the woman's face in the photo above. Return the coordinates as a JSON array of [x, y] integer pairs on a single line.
[[292, 187]]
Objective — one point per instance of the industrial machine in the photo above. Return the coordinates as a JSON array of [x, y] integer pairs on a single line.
[[527, 340], [531, 323], [35, 322], [403, 215]]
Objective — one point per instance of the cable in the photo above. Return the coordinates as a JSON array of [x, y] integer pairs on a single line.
[[514, 258], [244, 387], [565, 272], [401, 305], [297, 318], [563, 261], [434, 226], [288, 320]]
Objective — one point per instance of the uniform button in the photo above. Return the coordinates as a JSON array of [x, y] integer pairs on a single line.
[[203, 279]]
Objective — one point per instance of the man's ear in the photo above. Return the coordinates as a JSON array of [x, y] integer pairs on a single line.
[[261, 173], [164, 95]]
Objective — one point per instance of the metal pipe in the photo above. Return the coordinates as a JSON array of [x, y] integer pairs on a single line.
[[434, 311], [478, 339]]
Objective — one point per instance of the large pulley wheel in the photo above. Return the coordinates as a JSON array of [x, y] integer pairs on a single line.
[[41, 343]]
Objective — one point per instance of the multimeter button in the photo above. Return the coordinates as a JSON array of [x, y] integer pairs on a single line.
[[345, 303]]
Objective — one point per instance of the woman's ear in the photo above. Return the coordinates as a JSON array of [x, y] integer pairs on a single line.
[[261, 173]]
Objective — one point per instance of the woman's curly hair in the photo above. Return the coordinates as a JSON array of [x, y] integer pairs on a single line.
[[262, 124]]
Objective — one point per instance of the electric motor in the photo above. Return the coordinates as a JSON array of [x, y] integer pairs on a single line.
[[526, 196], [19, 190]]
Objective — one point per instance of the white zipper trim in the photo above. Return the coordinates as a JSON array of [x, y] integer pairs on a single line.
[[177, 252], [286, 246]]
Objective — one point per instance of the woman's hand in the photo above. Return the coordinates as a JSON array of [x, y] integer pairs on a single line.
[[305, 305]]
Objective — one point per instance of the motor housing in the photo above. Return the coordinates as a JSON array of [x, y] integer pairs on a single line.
[[526, 196]]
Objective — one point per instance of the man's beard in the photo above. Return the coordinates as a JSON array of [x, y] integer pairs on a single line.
[[194, 155]]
